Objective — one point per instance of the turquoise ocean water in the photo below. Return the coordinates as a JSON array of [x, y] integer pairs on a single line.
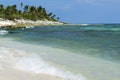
[[101, 41]]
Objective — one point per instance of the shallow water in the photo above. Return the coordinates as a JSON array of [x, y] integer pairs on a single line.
[[94, 40], [92, 50]]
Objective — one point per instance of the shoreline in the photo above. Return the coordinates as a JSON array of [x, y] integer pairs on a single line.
[[19, 23], [14, 74], [58, 72], [96, 64], [10, 70]]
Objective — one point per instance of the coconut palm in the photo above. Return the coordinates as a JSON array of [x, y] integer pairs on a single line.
[[1, 8], [26, 8], [30, 12], [21, 5]]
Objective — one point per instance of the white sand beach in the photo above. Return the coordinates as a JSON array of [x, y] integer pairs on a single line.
[[34, 66], [18, 64], [12, 74], [23, 22], [6, 23], [8, 70]]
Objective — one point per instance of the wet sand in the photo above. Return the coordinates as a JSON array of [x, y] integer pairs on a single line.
[[12, 74]]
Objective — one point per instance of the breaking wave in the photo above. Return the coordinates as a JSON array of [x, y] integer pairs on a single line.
[[3, 32], [99, 28], [22, 60]]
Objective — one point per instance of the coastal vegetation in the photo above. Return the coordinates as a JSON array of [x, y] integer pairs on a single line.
[[26, 12]]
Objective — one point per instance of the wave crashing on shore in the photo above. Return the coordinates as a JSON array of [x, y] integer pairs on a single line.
[[3, 32], [22, 60]]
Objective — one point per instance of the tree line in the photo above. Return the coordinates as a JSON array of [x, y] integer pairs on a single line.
[[26, 12]]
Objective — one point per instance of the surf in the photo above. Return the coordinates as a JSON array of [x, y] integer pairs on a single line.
[[67, 50], [3, 32], [22, 60]]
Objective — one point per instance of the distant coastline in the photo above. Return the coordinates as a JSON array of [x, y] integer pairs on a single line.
[[12, 17], [16, 23]]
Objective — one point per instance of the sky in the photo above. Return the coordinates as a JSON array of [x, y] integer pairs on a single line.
[[77, 11]]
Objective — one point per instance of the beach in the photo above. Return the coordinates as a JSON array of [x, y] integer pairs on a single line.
[[8, 70], [13, 74], [18, 63], [59, 40], [27, 23], [52, 51]]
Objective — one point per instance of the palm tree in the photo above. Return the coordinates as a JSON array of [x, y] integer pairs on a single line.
[[1, 8], [53, 16], [50, 14], [19, 11], [58, 18], [33, 12], [30, 12], [26, 8], [39, 9], [14, 10], [21, 5], [44, 13], [8, 10], [32, 9]]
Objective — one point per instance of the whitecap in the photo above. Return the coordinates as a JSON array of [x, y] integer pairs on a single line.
[[3, 32], [29, 26]]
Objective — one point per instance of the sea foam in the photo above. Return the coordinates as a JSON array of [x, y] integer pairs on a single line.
[[22, 60], [3, 32]]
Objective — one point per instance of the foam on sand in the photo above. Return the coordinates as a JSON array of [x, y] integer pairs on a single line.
[[70, 65], [18, 60]]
